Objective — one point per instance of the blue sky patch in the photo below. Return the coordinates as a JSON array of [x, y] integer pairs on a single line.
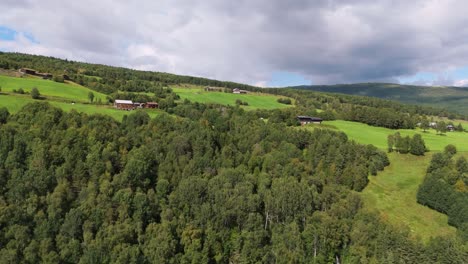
[[7, 33]]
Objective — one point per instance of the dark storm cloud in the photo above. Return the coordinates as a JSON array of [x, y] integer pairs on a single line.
[[326, 41]]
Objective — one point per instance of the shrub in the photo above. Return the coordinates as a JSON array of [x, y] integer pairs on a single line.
[[35, 93], [284, 101]]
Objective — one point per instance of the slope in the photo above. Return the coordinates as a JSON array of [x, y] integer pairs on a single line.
[[49, 88], [452, 98]]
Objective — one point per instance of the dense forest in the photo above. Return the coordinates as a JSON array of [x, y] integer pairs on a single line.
[[207, 183], [445, 188], [215, 184]]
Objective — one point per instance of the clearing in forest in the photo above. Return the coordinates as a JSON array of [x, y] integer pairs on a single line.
[[254, 100]]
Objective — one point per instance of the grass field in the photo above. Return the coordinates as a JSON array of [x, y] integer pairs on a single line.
[[377, 136], [393, 193], [15, 102], [49, 88], [255, 100]]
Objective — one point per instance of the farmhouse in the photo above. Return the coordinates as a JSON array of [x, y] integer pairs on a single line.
[[304, 120], [239, 91], [151, 105], [124, 104], [36, 73], [450, 128]]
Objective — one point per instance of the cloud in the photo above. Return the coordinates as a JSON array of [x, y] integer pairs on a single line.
[[462, 83], [326, 41]]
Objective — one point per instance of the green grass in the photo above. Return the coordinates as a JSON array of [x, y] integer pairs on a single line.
[[377, 136], [255, 100], [48, 88], [393, 193], [14, 103]]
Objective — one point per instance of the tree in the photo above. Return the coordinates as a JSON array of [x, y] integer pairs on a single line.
[[4, 115], [91, 96], [450, 150], [35, 93], [441, 127], [417, 146], [390, 142], [425, 124]]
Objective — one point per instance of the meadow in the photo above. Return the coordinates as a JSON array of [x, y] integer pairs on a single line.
[[14, 103], [48, 88], [377, 136], [393, 193], [254, 100]]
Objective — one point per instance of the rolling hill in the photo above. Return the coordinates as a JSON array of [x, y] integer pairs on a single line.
[[452, 98]]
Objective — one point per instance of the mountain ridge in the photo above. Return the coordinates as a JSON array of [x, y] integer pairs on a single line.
[[452, 98]]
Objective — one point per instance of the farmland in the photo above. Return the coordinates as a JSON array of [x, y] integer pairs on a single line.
[[254, 100], [377, 136], [48, 88], [15, 102], [393, 191]]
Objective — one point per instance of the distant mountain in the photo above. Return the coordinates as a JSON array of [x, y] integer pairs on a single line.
[[451, 98]]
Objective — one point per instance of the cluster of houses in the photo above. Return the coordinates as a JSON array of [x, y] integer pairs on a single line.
[[449, 127], [130, 105]]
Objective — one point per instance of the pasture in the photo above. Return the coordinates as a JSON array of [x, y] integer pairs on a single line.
[[393, 193], [48, 88], [254, 100], [14, 103], [377, 136]]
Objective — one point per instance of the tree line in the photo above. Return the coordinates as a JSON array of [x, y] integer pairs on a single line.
[[414, 145], [445, 188]]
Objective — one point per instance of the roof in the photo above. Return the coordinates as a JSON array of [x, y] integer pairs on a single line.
[[310, 118], [117, 101]]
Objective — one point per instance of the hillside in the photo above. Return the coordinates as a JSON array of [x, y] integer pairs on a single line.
[[393, 191], [68, 90], [200, 180], [452, 98]]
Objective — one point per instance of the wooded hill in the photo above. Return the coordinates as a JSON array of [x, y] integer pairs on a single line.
[[454, 99], [199, 183]]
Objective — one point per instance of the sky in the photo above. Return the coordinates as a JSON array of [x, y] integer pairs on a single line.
[[259, 42]]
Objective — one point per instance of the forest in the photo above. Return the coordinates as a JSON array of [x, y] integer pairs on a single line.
[[209, 183], [214, 185], [445, 188]]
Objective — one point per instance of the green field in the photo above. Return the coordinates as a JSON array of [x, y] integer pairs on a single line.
[[377, 136], [393, 193], [16, 102], [255, 100], [49, 88]]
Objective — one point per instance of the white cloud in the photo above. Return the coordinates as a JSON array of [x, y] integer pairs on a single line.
[[327, 41], [461, 82]]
